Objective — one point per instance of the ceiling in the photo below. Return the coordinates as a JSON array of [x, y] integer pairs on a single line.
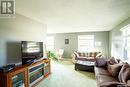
[[63, 16]]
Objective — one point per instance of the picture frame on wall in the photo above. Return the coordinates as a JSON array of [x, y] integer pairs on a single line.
[[66, 41]]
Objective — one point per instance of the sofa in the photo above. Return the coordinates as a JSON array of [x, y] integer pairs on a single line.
[[85, 56], [112, 73]]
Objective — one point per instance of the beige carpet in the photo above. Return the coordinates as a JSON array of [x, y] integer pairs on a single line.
[[64, 75]]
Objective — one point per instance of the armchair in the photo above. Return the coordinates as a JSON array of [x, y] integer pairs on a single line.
[[59, 54]]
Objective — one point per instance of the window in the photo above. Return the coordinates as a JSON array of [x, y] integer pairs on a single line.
[[50, 43], [126, 42], [85, 42]]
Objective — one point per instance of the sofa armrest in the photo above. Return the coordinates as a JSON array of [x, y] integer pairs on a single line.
[[76, 54], [73, 58], [99, 55]]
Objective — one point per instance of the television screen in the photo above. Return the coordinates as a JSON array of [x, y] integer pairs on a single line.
[[32, 50]]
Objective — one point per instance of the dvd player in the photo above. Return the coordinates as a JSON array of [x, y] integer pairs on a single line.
[[7, 68]]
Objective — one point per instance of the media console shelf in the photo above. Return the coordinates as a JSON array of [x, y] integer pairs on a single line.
[[26, 75]]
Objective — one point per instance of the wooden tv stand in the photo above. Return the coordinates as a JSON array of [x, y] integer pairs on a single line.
[[26, 75]]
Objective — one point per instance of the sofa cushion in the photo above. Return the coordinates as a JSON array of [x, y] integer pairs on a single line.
[[128, 83], [113, 84], [82, 57], [92, 54], [88, 54], [101, 71], [114, 69], [100, 62], [105, 79], [124, 73], [82, 54]]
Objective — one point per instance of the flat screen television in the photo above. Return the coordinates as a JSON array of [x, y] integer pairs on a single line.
[[31, 50]]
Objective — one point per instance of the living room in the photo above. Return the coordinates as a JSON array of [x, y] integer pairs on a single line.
[[74, 26]]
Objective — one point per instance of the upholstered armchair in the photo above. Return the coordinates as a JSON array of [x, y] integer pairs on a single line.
[[59, 54]]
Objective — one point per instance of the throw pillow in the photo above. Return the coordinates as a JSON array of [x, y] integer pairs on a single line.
[[124, 73], [100, 62], [112, 61], [114, 69]]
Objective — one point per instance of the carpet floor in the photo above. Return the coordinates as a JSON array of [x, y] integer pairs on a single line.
[[64, 75]]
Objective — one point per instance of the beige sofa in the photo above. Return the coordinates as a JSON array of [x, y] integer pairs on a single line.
[[88, 56]]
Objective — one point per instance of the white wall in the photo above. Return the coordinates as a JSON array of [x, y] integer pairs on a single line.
[[14, 30], [116, 40], [103, 37]]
